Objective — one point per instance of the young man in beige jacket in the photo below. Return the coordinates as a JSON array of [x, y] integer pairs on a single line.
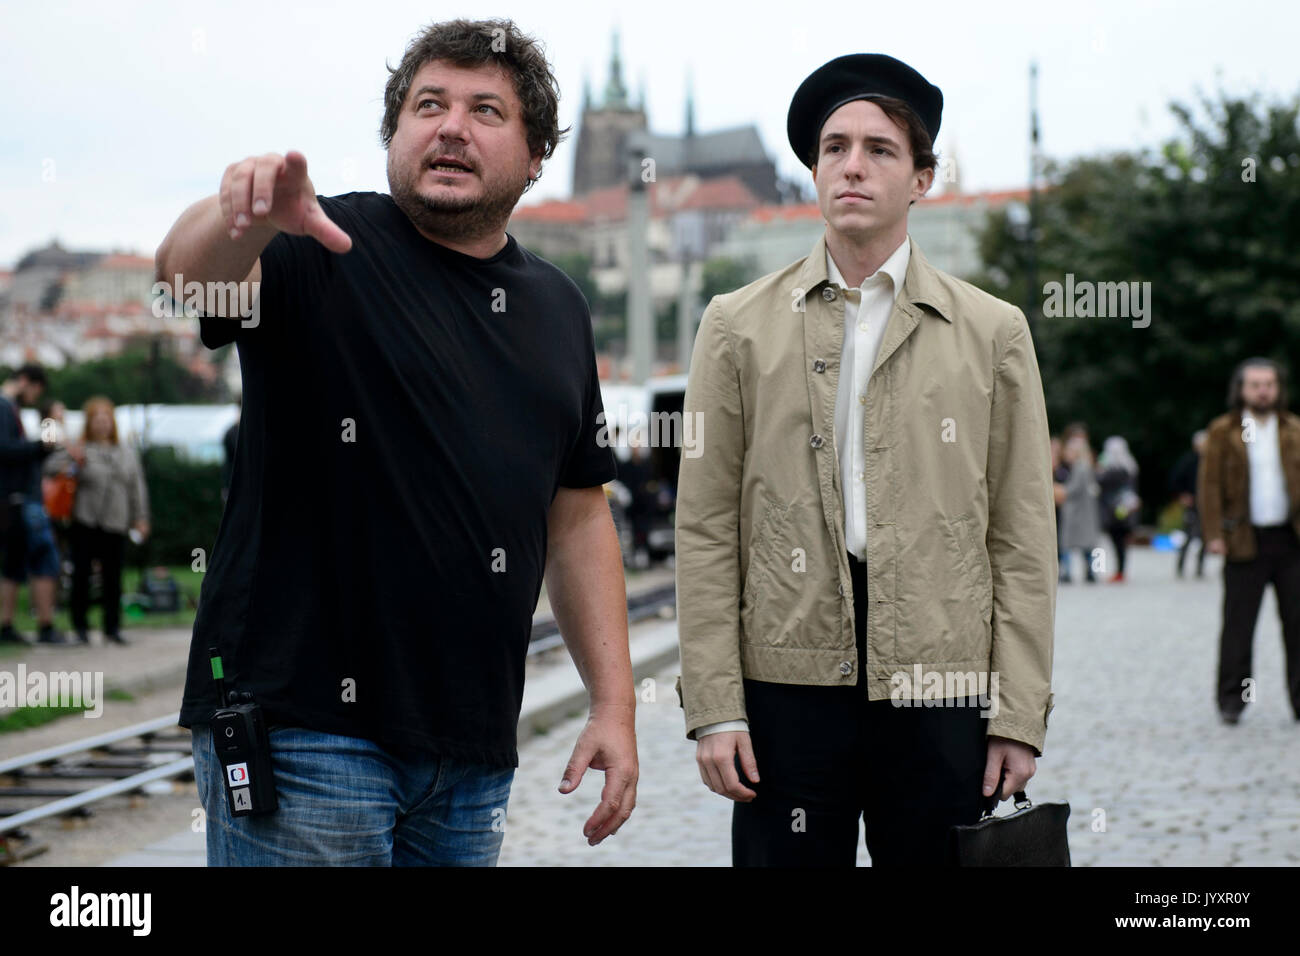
[[867, 544]]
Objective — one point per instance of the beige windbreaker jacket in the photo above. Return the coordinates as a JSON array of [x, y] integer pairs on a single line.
[[961, 536]]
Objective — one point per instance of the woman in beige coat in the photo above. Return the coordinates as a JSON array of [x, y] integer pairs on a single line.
[[111, 500]]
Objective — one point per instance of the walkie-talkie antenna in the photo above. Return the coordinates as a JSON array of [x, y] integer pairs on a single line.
[[218, 675]]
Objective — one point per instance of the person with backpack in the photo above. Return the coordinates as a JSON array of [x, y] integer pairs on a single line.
[[1117, 473]]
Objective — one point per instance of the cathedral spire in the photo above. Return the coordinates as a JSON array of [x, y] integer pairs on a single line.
[[615, 91]]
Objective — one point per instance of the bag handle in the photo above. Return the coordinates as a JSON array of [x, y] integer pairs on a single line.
[[990, 803]]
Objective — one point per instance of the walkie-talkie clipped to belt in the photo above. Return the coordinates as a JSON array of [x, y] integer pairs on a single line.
[[243, 746]]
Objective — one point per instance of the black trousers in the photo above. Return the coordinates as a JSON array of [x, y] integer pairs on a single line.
[[1119, 534], [13, 533], [828, 756], [108, 546], [1277, 561], [1192, 529]]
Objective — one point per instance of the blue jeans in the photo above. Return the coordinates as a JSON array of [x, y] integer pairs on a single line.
[[41, 554], [345, 801]]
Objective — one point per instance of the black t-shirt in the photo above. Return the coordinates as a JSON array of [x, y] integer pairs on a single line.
[[409, 413]]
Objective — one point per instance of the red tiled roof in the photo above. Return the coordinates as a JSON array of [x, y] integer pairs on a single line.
[[553, 210], [791, 213], [725, 192], [667, 195], [993, 198], [124, 261], [610, 202], [79, 309], [810, 210]]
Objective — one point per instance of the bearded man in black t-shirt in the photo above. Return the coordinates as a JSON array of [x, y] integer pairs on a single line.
[[417, 448]]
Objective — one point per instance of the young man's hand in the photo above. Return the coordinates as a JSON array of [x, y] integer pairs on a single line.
[[715, 755], [1017, 757], [275, 190]]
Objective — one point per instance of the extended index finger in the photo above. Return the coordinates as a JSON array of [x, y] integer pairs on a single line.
[[295, 168]]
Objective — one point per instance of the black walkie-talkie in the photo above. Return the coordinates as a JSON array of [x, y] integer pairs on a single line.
[[244, 749]]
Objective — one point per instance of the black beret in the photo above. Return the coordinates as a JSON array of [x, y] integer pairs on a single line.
[[855, 77]]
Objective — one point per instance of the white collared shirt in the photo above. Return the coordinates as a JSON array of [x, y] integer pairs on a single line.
[[866, 313], [1268, 499]]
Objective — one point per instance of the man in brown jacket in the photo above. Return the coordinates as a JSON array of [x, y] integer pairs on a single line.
[[1248, 492], [866, 547]]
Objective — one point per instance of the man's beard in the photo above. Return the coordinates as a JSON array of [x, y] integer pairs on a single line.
[[458, 218], [1265, 409]]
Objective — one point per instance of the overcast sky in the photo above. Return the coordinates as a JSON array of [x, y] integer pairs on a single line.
[[116, 116]]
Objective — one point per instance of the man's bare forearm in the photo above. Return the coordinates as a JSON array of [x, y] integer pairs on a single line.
[[200, 249], [588, 595]]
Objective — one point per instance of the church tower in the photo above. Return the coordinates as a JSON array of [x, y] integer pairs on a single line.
[[600, 158]]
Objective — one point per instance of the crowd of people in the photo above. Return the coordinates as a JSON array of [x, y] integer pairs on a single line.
[[1239, 487], [1097, 494], [69, 504], [1094, 494]]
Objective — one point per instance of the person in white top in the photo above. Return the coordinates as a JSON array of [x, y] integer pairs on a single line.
[[1248, 492]]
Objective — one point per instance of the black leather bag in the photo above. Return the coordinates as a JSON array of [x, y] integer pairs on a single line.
[[1034, 835]]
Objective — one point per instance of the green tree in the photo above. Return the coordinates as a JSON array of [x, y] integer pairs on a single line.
[[721, 275], [132, 377], [184, 504], [577, 266], [1212, 221]]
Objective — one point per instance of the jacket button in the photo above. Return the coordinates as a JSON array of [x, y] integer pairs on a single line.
[[828, 294], [841, 587], [846, 668], [815, 441], [819, 366]]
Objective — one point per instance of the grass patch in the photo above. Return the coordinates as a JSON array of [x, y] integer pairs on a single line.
[[25, 718], [187, 580]]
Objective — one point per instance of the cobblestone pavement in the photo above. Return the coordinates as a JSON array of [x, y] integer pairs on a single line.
[[1135, 746]]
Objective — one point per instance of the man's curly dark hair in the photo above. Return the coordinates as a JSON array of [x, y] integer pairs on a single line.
[[472, 43]]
